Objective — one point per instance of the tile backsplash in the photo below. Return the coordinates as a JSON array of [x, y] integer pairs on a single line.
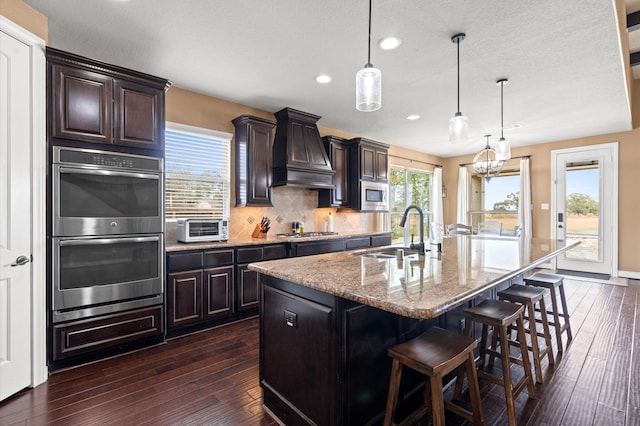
[[296, 204]]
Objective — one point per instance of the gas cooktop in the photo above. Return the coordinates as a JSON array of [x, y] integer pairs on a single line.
[[306, 234]]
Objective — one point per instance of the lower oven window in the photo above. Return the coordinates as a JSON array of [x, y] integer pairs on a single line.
[[104, 262]]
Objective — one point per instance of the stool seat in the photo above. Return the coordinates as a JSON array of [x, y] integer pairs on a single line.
[[545, 280], [494, 312], [435, 353], [523, 292], [555, 283]]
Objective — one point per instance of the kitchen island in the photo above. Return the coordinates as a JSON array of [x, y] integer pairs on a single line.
[[327, 321]]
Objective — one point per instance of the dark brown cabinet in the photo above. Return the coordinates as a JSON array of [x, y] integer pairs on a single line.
[[248, 295], [90, 101], [339, 154], [370, 160], [254, 145], [200, 288], [106, 332]]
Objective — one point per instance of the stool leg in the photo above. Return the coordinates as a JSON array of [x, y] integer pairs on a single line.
[[556, 319], [494, 346], [483, 345], [474, 390], [468, 326], [534, 342], [565, 315], [437, 400], [394, 388], [506, 370], [427, 401], [525, 358], [546, 331]]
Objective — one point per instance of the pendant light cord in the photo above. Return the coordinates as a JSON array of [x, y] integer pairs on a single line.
[[458, 43], [502, 110], [369, 44]]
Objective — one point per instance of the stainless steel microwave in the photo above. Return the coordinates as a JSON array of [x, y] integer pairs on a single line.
[[194, 230], [374, 196]]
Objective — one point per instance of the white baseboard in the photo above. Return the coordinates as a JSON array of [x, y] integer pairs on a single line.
[[629, 274]]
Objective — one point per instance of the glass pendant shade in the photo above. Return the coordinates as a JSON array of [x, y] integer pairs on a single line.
[[503, 150], [458, 129], [485, 163], [368, 89]]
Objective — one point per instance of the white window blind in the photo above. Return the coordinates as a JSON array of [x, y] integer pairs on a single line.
[[197, 172]]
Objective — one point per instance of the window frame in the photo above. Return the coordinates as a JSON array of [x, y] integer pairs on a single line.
[[407, 202], [224, 140]]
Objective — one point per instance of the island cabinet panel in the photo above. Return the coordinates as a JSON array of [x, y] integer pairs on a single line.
[[335, 369], [303, 377]]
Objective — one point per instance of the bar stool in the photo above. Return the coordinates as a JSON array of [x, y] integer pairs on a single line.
[[530, 297], [499, 315], [434, 353], [554, 282]]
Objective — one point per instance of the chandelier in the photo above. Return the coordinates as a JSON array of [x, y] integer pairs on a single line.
[[485, 163]]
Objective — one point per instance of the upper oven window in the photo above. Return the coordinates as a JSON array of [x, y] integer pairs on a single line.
[[96, 193]]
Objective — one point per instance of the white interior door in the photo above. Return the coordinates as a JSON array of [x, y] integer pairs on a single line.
[[15, 216], [585, 188]]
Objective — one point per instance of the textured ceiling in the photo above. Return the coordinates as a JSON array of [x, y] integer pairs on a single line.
[[563, 60]]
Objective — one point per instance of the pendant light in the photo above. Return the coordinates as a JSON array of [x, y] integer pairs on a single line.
[[458, 124], [369, 82], [503, 147], [485, 163]]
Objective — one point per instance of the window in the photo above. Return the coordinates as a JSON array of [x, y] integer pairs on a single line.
[[496, 200], [197, 173], [408, 187]]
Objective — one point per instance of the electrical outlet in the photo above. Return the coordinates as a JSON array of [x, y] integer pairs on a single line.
[[290, 319]]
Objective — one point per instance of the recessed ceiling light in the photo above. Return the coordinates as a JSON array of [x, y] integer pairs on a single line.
[[323, 79], [389, 43], [517, 125], [413, 117]]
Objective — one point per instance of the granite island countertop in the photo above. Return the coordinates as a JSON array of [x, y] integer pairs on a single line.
[[417, 286]]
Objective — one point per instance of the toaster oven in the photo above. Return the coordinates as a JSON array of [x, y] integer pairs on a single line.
[[196, 230]]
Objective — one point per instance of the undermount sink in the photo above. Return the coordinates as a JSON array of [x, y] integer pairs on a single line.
[[389, 253]]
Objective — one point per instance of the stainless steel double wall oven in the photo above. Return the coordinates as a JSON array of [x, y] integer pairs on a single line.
[[107, 229]]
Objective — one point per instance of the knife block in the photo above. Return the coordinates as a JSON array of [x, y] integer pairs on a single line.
[[257, 233]]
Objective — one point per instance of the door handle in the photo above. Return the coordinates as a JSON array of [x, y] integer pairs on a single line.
[[21, 260]]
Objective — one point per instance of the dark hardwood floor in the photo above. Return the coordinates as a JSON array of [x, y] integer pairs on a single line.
[[211, 378]]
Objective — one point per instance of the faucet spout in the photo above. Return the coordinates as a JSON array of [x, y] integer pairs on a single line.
[[420, 245]]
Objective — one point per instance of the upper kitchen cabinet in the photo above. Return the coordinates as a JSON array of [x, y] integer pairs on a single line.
[[91, 101], [370, 159], [339, 155], [299, 158], [254, 144]]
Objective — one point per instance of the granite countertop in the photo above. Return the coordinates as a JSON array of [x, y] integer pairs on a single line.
[[271, 239], [417, 286]]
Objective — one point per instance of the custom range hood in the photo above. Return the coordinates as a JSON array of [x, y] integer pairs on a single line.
[[299, 158]]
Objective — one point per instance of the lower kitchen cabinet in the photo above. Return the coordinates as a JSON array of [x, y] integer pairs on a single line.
[[200, 288], [248, 280], [106, 332]]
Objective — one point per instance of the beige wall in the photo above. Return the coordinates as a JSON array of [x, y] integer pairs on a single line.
[[628, 190], [27, 17]]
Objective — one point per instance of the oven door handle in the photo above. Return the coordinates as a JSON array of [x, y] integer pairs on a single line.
[[108, 173], [107, 241]]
